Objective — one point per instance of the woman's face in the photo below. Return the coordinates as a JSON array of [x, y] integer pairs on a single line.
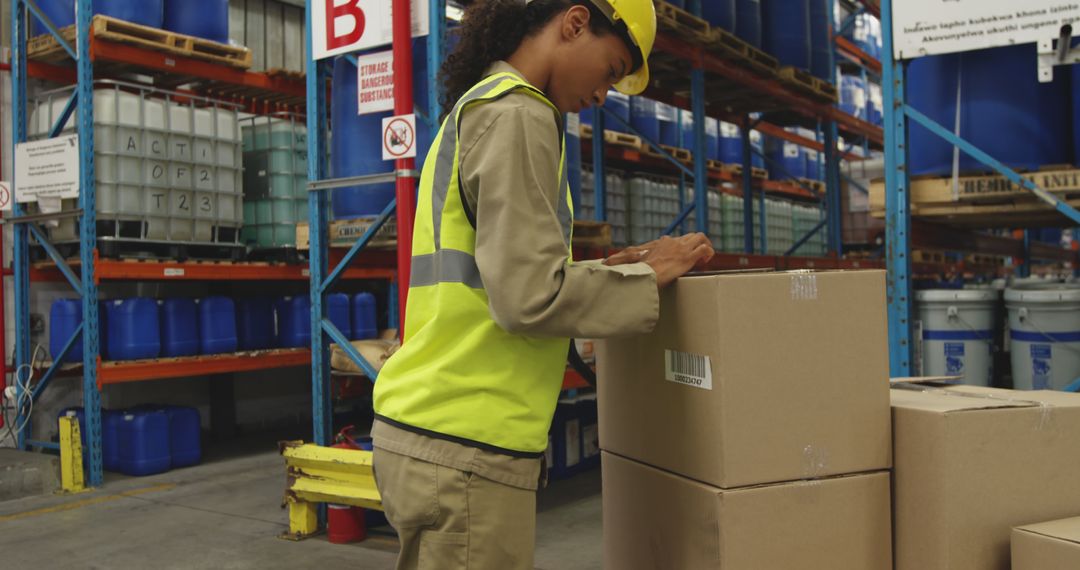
[[588, 65]]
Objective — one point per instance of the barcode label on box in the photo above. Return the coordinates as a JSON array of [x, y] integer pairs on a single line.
[[690, 369]]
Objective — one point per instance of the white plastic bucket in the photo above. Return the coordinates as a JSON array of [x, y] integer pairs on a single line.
[[1044, 330], [958, 333]]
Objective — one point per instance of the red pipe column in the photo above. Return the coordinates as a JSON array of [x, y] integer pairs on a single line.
[[406, 186]]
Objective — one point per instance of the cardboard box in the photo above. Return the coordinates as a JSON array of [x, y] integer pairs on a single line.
[[655, 520], [754, 378], [972, 463], [1047, 546]]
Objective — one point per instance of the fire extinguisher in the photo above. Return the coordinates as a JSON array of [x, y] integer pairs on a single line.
[[345, 523]]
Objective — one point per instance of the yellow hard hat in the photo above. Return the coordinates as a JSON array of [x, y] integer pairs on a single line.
[[639, 19]]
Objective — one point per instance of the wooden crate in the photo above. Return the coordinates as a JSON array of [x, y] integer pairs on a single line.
[[1062, 181], [47, 48], [982, 200], [344, 233], [592, 234]]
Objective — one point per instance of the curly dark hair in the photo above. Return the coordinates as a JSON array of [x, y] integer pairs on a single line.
[[492, 30]]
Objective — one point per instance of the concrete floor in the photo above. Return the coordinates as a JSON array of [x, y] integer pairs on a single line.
[[225, 514]]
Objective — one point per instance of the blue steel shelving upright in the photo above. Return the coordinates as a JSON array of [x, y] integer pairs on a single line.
[[321, 278], [255, 88], [85, 284], [898, 236]]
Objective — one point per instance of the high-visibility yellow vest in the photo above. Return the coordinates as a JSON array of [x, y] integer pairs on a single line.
[[459, 375]]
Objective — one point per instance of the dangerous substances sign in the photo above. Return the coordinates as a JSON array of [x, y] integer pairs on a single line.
[[399, 137], [375, 82], [47, 169]]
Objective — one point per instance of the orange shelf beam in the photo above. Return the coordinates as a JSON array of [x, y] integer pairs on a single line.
[[854, 54], [141, 370], [133, 270], [258, 91]]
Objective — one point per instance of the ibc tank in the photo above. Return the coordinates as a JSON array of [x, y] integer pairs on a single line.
[[179, 327], [1024, 126], [786, 31], [134, 329], [355, 144], [62, 12], [207, 19]]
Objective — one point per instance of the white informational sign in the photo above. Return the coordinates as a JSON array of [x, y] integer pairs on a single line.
[[926, 27], [343, 26], [375, 82], [47, 169], [5, 196], [399, 137]]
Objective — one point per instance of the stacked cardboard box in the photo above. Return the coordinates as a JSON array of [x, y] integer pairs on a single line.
[[751, 429], [1051, 545], [972, 463]]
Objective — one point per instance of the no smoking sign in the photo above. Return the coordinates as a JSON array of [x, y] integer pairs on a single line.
[[5, 196], [399, 137]]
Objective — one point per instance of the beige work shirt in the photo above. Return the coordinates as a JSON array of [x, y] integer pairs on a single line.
[[510, 155]]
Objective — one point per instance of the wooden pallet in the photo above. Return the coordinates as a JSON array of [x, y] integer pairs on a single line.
[[47, 48], [737, 169], [815, 185], [592, 234], [614, 138], [734, 48], [344, 233], [984, 260], [673, 19], [804, 81], [680, 154], [287, 74], [926, 256]]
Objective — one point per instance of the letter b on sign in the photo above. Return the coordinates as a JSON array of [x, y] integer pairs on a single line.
[[337, 19]]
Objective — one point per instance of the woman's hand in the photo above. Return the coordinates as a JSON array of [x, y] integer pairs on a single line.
[[669, 257]]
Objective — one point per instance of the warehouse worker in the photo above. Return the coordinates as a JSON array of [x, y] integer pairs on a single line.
[[463, 409]]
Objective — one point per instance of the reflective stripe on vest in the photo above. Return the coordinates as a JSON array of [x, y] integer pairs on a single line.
[[459, 374]]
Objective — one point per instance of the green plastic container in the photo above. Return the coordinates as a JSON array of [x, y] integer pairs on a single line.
[[275, 180]]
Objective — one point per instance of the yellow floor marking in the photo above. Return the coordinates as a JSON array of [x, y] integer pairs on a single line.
[[86, 502]]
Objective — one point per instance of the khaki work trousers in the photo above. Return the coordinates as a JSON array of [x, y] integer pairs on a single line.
[[449, 519]]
